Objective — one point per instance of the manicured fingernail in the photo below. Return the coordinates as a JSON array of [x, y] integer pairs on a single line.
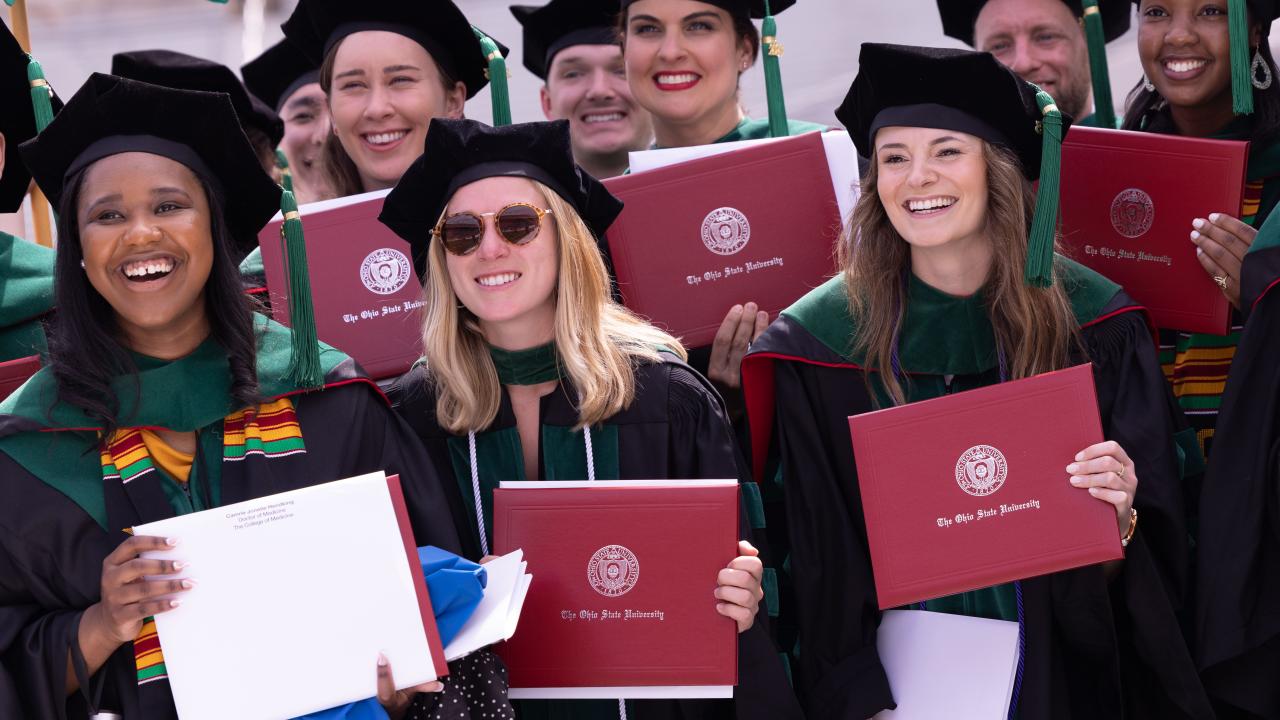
[[1199, 252], [174, 603], [1094, 490], [737, 308], [1194, 236], [751, 307], [1213, 217], [1079, 456], [1076, 480], [1071, 468], [1198, 223], [436, 687], [179, 565], [188, 583], [382, 660], [171, 541]]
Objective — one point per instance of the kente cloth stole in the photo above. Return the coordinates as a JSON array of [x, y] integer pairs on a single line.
[[270, 430]]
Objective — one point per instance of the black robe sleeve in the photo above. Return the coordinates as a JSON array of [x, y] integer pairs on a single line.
[[701, 445], [1150, 594], [1238, 559]]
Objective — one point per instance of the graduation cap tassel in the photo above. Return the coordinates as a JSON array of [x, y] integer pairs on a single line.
[[1044, 225], [1238, 37], [497, 74], [1095, 36], [773, 75], [304, 360], [286, 176], [41, 95]]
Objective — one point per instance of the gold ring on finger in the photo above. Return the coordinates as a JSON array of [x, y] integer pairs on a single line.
[[1120, 472], [1222, 282]]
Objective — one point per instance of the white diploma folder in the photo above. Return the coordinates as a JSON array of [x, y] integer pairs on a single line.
[[296, 595], [943, 666], [495, 618]]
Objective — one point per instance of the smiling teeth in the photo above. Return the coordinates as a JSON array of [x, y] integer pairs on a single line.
[[158, 266], [385, 138], [609, 117], [499, 279], [1184, 65], [919, 205], [677, 79]]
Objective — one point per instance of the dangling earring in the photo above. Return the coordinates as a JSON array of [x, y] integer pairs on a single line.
[[81, 264], [1260, 66], [1146, 84]]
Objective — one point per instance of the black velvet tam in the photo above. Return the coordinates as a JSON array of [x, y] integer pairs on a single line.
[[564, 23]]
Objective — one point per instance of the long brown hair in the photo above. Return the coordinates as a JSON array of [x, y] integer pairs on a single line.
[[1035, 328], [336, 163], [598, 340]]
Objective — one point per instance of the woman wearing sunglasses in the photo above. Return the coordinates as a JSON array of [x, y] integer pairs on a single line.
[[386, 67], [952, 284], [164, 395], [526, 351]]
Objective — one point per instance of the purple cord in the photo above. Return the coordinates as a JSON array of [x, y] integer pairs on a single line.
[[1022, 652]]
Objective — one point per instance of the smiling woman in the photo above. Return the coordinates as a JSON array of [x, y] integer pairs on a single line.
[[386, 69], [164, 395]]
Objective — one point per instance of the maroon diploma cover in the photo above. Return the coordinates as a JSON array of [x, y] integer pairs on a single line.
[[367, 300], [696, 238], [1128, 199], [622, 592], [986, 498], [13, 373]]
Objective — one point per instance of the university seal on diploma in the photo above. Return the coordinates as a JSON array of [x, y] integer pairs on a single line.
[[1132, 212], [613, 570], [725, 231], [385, 271], [981, 470]]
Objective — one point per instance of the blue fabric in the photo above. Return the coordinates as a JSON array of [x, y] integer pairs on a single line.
[[455, 585]]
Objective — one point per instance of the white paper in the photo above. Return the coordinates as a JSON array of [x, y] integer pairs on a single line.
[[671, 692], [943, 666], [297, 594], [496, 616], [334, 203], [842, 162]]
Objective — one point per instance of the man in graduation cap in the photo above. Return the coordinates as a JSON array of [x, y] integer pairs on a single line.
[[26, 269], [1056, 44], [283, 78], [186, 72], [573, 46]]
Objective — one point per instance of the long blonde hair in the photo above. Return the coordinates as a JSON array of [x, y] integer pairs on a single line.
[[598, 341], [1034, 327]]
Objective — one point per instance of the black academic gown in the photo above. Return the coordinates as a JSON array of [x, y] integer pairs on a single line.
[[1093, 649], [52, 548], [1238, 568], [675, 428]]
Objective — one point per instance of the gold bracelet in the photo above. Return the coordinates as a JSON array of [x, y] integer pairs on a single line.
[[1133, 526]]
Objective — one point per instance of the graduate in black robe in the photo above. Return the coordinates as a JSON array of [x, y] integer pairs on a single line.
[[1238, 568], [161, 400], [1099, 642], [526, 347]]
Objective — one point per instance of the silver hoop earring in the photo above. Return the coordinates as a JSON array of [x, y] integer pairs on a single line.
[[1260, 67], [1146, 84]]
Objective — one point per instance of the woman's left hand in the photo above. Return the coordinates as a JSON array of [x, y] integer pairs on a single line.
[[1106, 470], [739, 587], [1221, 244], [396, 702]]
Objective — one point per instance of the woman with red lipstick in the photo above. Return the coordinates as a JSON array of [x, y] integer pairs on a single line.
[[387, 67], [533, 371], [951, 285], [165, 394]]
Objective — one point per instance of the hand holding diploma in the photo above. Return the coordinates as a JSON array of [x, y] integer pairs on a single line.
[[396, 702], [1221, 243], [1108, 472], [739, 587]]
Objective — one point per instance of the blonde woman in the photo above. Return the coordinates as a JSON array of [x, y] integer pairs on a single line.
[[940, 293], [526, 353]]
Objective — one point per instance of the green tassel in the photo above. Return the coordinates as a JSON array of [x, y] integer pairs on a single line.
[[773, 75], [304, 361], [41, 95], [1238, 36], [286, 176], [497, 74], [1044, 225], [1095, 36]]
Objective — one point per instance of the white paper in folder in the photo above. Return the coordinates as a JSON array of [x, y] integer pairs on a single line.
[[495, 618], [297, 594], [943, 667]]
